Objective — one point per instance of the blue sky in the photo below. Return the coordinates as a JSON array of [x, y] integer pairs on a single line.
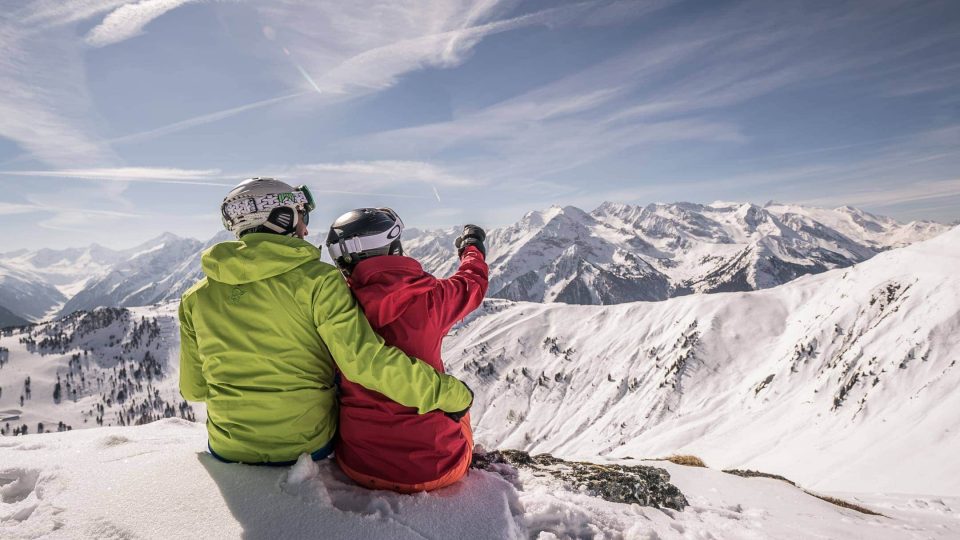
[[120, 120]]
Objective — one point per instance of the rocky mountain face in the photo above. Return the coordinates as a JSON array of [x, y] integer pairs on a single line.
[[615, 254], [622, 253], [8, 318]]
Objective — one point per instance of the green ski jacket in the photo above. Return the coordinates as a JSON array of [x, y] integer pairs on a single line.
[[258, 340]]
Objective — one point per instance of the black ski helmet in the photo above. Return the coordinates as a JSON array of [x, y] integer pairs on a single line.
[[363, 233]]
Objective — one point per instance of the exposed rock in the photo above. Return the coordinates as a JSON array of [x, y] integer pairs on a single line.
[[637, 484]]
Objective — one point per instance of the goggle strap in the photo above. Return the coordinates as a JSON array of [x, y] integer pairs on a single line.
[[359, 244], [269, 201]]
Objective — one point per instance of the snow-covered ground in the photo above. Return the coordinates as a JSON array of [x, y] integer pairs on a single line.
[[156, 481]]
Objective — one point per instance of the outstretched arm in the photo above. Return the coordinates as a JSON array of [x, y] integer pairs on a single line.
[[462, 292], [365, 359], [193, 387]]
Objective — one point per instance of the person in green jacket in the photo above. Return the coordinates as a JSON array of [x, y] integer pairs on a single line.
[[259, 337]]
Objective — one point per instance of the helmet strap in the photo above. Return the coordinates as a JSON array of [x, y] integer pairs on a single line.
[[282, 220], [396, 248]]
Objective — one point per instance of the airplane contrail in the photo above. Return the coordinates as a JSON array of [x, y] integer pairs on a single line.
[[202, 119], [436, 194], [303, 71]]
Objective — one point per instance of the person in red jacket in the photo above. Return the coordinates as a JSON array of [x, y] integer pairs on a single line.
[[382, 444]]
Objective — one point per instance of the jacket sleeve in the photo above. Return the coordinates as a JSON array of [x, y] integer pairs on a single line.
[[365, 359], [192, 385], [461, 293]]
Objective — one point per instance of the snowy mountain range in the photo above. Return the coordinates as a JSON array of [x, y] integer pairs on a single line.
[[621, 253], [617, 253], [40, 284], [858, 361], [834, 380], [844, 381]]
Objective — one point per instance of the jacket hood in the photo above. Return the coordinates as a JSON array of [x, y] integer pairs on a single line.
[[387, 285], [255, 257]]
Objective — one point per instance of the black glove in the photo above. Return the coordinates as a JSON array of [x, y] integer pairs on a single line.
[[471, 236], [457, 416]]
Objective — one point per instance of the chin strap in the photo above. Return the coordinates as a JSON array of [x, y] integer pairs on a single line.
[[281, 221]]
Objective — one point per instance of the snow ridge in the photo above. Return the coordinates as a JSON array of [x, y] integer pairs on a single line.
[[851, 362], [622, 253]]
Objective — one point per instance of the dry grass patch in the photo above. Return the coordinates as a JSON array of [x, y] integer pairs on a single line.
[[832, 500], [687, 460], [844, 504], [746, 473]]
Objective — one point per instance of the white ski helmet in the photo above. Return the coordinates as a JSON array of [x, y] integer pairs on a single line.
[[265, 205]]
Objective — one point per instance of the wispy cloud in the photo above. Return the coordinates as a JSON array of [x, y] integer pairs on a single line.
[[128, 21], [23, 208], [675, 85], [891, 195], [381, 173], [346, 178], [562, 125], [360, 47], [379, 67], [52, 13], [160, 175], [44, 106]]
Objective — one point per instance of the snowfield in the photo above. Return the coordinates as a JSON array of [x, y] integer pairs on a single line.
[[156, 481]]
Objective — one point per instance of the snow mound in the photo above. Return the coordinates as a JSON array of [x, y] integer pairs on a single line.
[[157, 481]]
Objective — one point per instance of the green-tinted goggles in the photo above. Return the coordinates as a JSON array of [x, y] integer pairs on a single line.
[[310, 205]]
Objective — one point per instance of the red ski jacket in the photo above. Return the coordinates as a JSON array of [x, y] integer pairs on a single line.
[[413, 311]]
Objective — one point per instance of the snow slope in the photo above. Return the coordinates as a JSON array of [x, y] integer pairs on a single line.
[[114, 366], [25, 295], [156, 481], [844, 381], [8, 318]]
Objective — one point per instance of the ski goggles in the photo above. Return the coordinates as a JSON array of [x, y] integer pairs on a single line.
[[309, 205], [300, 197]]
